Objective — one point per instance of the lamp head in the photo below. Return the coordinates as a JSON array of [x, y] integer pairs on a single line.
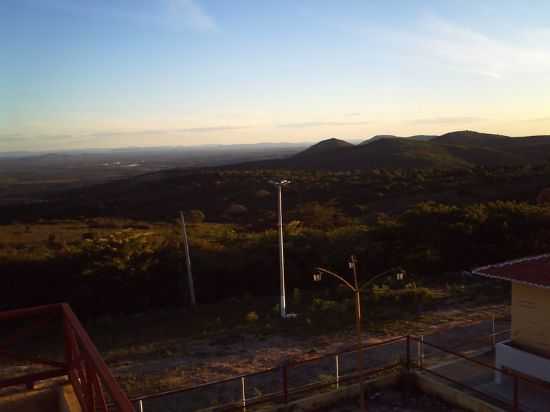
[[281, 182], [400, 274], [317, 276]]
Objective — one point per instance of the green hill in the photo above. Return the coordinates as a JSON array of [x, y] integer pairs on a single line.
[[461, 149]]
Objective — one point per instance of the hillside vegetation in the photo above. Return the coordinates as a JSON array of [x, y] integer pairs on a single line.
[[465, 149], [116, 266], [115, 247]]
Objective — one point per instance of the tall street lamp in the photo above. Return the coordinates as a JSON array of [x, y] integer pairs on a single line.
[[398, 273], [279, 184]]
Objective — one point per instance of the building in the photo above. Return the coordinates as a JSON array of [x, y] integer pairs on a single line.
[[528, 350]]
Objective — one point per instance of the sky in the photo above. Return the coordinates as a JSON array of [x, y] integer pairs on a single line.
[[117, 73]]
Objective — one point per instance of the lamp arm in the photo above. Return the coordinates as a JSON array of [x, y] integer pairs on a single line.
[[328, 272], [380, 275]]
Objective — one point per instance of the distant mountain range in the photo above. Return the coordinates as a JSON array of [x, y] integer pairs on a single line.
[[455, 150], [159, 190]]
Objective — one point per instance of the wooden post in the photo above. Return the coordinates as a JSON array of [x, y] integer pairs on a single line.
[[188, 262]]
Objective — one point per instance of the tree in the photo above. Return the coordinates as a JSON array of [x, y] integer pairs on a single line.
[[196, 216]]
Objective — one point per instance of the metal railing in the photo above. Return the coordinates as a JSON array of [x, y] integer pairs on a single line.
[[289, 381], [478, 375], [93, 383], [293, 380], [96, 388]]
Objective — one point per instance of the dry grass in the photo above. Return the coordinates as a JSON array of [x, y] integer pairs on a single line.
[[157, 359]]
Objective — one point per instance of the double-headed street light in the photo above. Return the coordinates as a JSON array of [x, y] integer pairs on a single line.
[[279, 184], [398, 273]]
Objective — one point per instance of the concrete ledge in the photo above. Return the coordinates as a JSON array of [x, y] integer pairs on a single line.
[[67, 400], [330, 398], [402, 380], [35, 400], [521, 361], [453, 396]]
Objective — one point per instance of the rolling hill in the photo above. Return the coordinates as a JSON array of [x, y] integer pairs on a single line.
[[419, 138], [161, 194], [324, 147], [455, 150]]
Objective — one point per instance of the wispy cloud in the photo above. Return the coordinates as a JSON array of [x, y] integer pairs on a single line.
[[152, 132], [448, 120], [319, 124], [212, 129], [192, 14], [10, 138], [25, 141], [176, 15], [107, 136], [539, 119], [472, 51], [20, 137]]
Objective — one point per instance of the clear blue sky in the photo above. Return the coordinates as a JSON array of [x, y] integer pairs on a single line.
[[106, 73]]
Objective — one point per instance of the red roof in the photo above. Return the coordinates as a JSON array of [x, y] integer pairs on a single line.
[[532, 271]]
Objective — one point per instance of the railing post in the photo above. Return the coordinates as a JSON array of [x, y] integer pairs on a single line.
[[284, 371], [408, 353], [337, 357], [421, 347], [68, 343], [243, 393], [516, 394], [493, 335], [88, 373]]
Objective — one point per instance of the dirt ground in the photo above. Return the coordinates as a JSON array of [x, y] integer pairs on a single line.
[[186, 362], [206, 360]]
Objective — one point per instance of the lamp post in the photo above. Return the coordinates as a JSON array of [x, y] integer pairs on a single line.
[[279, 184], [356, 288]]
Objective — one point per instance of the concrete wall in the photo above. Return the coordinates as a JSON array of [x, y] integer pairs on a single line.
[[424, 383], [453, 396], [327, 399], [531, 318]]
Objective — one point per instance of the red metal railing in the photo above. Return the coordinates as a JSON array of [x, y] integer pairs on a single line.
[[282, 382], [406, 351], [93, 383], [518, 394]]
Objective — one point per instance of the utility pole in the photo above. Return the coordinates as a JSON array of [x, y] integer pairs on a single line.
[[280, 185], [190, 283]]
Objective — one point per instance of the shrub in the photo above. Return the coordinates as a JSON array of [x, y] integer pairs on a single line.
[[296, 296], [252, 317], [196, 216]]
